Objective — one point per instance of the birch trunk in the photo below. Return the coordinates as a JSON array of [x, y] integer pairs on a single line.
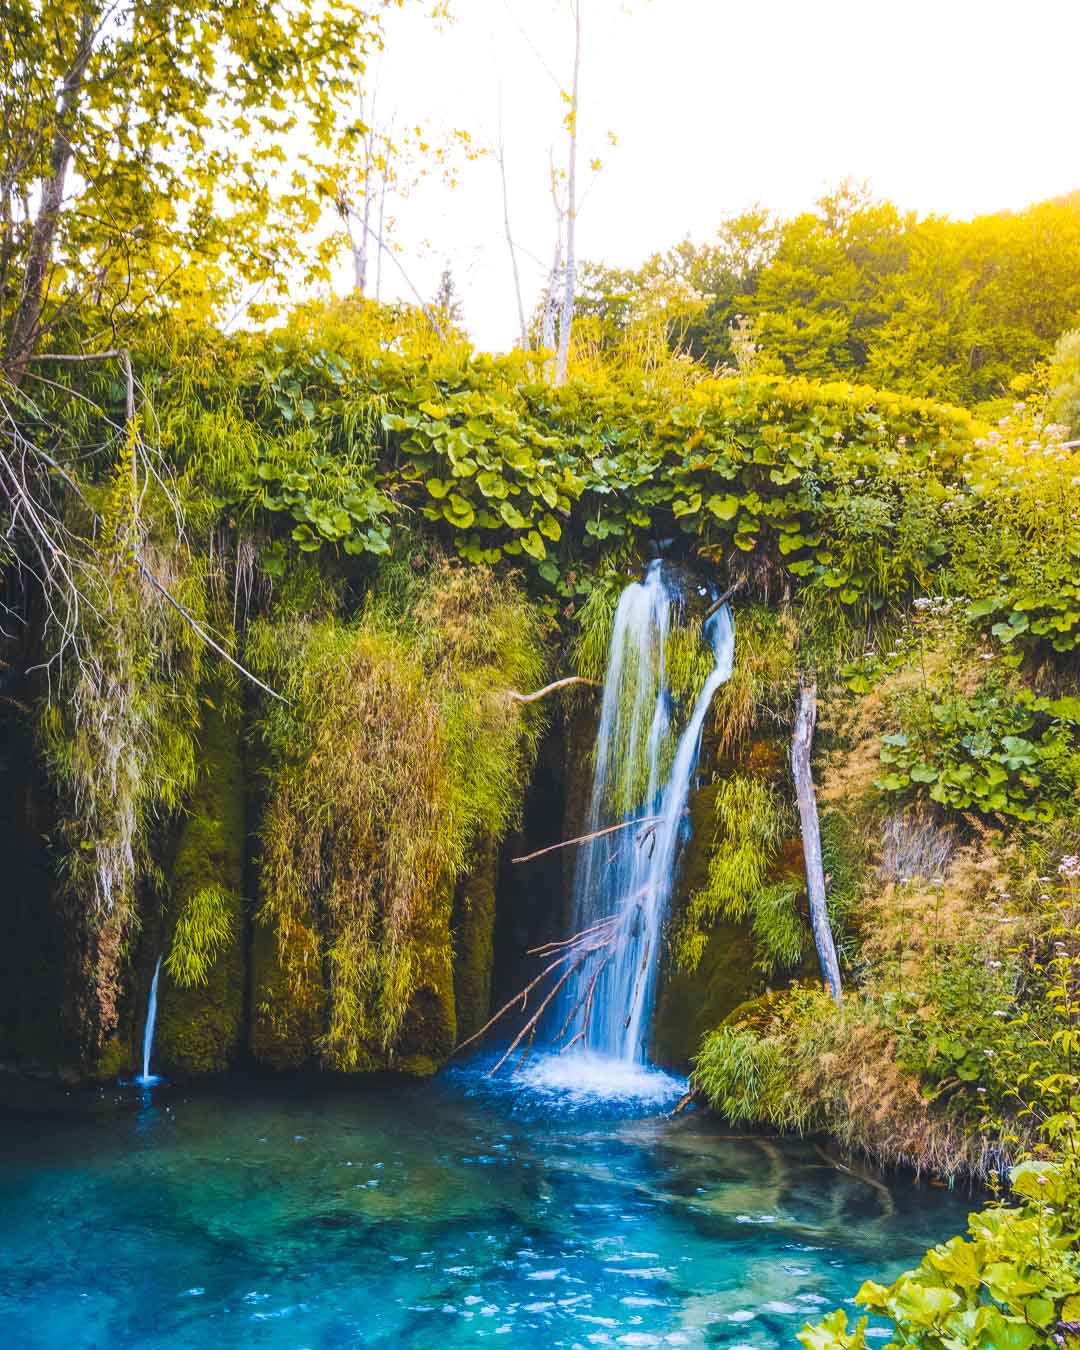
[[551, 303], [802, 741]]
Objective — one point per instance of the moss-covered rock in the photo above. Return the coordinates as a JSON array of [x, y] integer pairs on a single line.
[[429, 1030], [288, 998], [200, 1025], [690, 1004], [474, 941]]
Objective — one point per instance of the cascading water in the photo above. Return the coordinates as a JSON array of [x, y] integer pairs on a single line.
[[637, 777], [146, 1078]]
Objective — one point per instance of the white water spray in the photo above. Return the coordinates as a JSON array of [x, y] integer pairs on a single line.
[[631, 872], [146, 1078]]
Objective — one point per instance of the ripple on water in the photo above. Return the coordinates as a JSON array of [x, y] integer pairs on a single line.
[[592, 1230]]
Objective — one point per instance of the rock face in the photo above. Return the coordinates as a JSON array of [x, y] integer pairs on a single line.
[[688, 1005], [264, 998], [200, 1028]]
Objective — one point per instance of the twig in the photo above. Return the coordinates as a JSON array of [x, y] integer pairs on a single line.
[[587, 838], [201, 632], [123, 355]]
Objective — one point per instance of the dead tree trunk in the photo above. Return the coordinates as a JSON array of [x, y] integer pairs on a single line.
[[801, 744], [551, 299]]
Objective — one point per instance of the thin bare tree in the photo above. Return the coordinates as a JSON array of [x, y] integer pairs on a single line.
[[500, 159]]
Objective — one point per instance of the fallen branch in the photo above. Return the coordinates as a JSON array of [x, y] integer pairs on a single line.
[[718, 605], [587, 838], [576, 951], [552, 688]]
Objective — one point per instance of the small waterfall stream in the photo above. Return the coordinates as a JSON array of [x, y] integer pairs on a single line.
[[632, 871], [146, 1078]]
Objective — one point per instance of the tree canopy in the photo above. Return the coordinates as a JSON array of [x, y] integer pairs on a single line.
[[860, 290], [159, 153]]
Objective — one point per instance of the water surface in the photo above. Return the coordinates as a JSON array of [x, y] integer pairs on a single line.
[[307, 1213]]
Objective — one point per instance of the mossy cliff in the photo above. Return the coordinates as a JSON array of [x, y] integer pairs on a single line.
[[201, 1009], [475, 906]]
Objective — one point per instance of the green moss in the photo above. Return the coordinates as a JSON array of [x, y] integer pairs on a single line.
[[430, 1029], [288, 999], [200, 1020], [114, 1060], [749, 818], [474, 941], [690, 1003]]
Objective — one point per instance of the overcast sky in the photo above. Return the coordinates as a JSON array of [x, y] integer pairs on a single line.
[[951, 106]]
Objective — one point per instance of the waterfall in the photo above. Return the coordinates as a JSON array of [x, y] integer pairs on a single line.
[[638, 776], [146, 1078]]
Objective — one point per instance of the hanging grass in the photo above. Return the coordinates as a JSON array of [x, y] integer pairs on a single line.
[[204, 928], [752, 820], [119, 742], [763, 681], [398, 753]]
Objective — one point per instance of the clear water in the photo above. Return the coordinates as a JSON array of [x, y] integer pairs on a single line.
[[307, 1213], [630, 874]]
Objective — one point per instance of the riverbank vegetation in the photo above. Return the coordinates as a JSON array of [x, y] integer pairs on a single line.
[[275, 599]]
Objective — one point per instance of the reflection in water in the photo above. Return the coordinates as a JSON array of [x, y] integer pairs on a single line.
[[388, 1214]]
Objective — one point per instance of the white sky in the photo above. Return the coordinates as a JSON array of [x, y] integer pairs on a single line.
[[952, 106]]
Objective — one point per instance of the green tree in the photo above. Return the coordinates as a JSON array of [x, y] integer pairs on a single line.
[[156, 152]]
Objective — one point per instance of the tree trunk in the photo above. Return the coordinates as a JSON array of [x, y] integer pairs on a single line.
[[24, 332], [522, 325], [801, 743], [566, 318], [551, 300]]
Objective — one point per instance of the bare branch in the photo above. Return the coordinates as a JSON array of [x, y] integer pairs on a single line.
[[551, 689], [587, 838]]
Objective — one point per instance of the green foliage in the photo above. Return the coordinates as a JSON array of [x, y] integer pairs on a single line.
[[1016, 536], [119, 744], [203, 928], [760, 689], [171, 128], [347, 431], [595, 620], [859, 290], [1063, 382], [737, 1071], [398, 752], [1004, 1287], [1015, 1281], [997, 751]]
